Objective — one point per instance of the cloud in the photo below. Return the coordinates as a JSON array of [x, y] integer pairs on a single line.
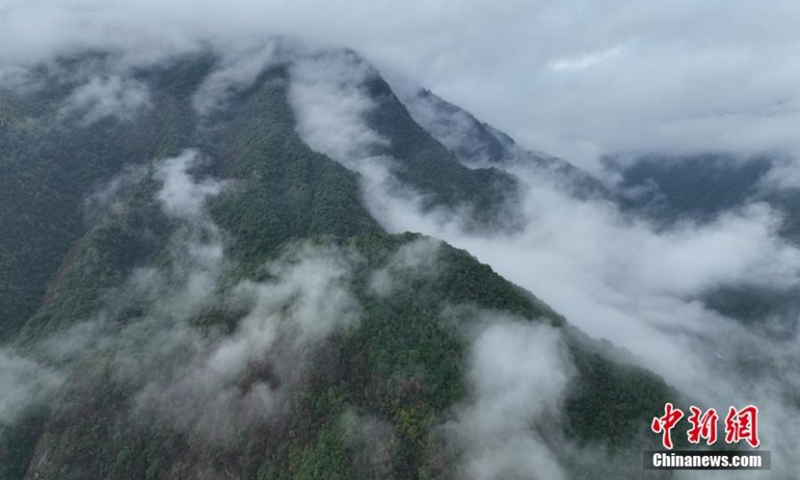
[[635, 285], [576, 79], [15, 77], [455, 129], [215, 379], [518, 373], [24, 384], [206, 382], [330, 101], [329, 98], [328, 94], [180, 195], [238, 381], [584, 61], [108, 199], [111, 96], [197, 250], [170, 297], [372, 442], [414, 259], [308, 301], [239, 67], [784, 175], [166, 296]]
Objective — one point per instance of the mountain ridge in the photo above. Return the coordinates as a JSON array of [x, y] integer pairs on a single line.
[[261, 281]]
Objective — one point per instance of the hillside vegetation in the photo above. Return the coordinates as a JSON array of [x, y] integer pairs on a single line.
[[271, 329]]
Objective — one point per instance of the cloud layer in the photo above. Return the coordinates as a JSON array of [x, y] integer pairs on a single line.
[[575, 79]]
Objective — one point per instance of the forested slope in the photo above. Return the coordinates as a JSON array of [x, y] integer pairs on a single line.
[[216, 301]]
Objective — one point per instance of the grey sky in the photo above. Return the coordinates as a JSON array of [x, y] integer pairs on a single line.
[[573, 78]]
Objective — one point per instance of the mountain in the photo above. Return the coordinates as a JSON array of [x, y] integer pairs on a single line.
[[191, 287], [478, 144], [703, 187]]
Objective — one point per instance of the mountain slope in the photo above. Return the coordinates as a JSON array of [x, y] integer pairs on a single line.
[[478, 144], [46, 173], [701, 188], [227, 306]]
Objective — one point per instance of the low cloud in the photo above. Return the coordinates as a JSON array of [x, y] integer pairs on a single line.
[[238, 381], [783, 176], [329, 96], [181, 196], [415, 259], [109, 198], [620, 81], [518, 373], [212, 383], [239, 66], [329, 99], [372, 442], [107, 96], [455, 129], [24, 384], [237, 367]]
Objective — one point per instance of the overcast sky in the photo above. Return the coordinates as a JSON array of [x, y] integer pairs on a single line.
[[573, 78]]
